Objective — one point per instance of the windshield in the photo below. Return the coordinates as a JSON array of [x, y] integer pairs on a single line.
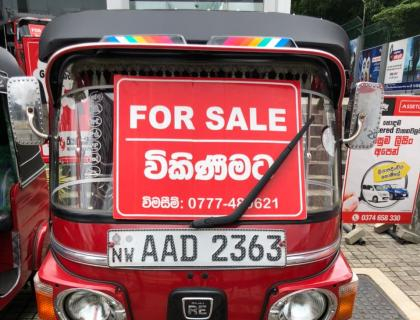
[[85, 124], [232, 5], [380, 188]]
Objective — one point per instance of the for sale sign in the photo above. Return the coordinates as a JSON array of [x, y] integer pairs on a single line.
[[192, 148], [382, 183], [35, 30]]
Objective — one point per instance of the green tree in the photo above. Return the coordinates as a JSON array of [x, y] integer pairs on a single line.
[[338, 11], [403, 19]]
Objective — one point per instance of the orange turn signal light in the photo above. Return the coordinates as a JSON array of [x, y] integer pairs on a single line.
[[346, 299], [44, 300]]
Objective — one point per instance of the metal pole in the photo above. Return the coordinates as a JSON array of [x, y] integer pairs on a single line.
[[364, 17]]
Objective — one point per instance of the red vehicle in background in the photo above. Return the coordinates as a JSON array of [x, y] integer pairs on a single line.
[[24, 208], [195, 165], [21, 38]]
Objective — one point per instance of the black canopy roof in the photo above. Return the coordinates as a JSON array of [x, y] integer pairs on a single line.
[[195, 26]]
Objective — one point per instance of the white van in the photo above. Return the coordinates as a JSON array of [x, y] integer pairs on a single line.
[[374, 193]]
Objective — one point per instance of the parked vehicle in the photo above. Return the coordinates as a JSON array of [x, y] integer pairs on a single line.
[[20, 35], [375, 193], [396, 192], [188, 175], [23, 199]]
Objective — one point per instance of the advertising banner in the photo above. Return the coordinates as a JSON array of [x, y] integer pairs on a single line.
[[381, 183], [403, 69], [370, 64], [189, 148]]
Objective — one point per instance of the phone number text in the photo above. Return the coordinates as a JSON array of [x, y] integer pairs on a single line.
[[174, 202]]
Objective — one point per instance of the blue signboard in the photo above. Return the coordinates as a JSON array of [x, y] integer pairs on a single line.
[[370, 64]]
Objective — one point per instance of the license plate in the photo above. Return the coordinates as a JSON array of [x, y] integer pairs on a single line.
[[188, 248]]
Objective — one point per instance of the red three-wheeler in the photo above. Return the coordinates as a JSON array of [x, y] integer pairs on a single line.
[[195, 165], [24, 198], [21, 35]]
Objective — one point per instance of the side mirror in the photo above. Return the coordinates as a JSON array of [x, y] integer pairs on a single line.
[[28, 116], [366, 114]]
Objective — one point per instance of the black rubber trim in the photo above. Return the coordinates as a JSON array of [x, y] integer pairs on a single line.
[[272, 289], [102, 217], [117, 285]]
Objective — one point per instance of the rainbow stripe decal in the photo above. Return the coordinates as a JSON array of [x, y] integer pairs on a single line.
[[145, 39], [262, 42]]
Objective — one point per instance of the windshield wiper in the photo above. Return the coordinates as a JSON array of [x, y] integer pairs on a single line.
[[240, 210]]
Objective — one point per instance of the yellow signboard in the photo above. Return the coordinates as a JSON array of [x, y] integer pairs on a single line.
[[393, 171]]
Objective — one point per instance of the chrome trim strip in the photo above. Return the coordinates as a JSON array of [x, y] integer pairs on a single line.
[[101, 260], [83, 257], [24, 183], [313, 256]]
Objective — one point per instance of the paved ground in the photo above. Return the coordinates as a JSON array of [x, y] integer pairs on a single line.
[[23, 307], [400, 263]]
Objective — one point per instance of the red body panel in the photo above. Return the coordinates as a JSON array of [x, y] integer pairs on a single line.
[[19, 54], [30, 212], [30, 49], [145, 293], [41, 243], [244, 288], [6, 255], [30, 209]]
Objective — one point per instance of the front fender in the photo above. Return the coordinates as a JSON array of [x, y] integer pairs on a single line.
[[41, 242]]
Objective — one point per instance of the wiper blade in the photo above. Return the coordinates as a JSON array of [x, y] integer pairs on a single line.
[[240, 210]]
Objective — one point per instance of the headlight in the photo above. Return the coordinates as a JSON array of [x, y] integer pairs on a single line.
[[313, 304], [82, 304]]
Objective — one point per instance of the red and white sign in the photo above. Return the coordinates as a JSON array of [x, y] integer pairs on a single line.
[[381, 184], [189, 148], [35, 30]]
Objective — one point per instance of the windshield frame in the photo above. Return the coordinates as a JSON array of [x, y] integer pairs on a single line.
[[55, 70]]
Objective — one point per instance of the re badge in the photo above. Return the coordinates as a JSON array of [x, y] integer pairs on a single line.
[[197, 308]]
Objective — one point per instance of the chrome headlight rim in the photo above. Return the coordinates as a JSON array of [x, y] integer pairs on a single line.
[[59, 307], [331, 298]]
